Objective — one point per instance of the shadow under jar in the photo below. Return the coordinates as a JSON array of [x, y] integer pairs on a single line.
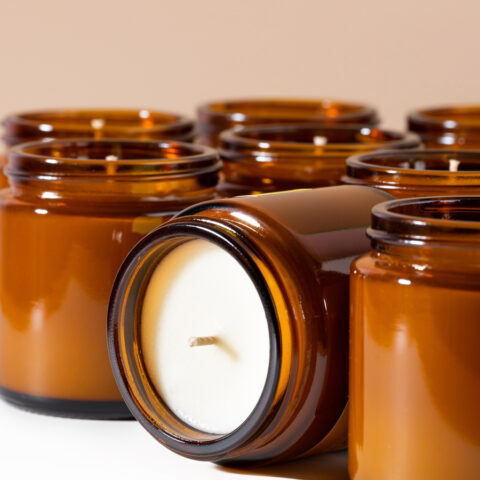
[[215, 117], [415, 367], [270, 158], [456, 126], [135, 124], [417, 173], [74, 210], [228, 326]]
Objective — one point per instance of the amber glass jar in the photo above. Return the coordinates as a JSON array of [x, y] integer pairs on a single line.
[[139, 124], [295, 248], [417, 173], [74, 210], [415, 367], [215, 117], [261, 159], [455, 126]]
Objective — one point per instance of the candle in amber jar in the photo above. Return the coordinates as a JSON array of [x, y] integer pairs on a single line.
[[416, 173], [139, 124], [74, 210], [214, 117], [415, 367], [455, 126], [228, 325], [272, 158]]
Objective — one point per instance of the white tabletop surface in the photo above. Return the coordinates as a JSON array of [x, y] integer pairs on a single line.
[[40, 447]]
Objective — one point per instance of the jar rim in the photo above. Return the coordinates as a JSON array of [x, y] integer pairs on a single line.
[[397, 162], [160, 158], [81, 122], [214, 446], [449, 118], [323, 108], [255, 137], [447, 220]]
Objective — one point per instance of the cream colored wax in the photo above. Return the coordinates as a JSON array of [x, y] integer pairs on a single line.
[[205, 337]]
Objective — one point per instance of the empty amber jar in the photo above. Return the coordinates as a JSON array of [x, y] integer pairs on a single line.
[[215, 117], [74, 210], [417, 173], [284, 157], [139, 124], [456, 126], [415, 367], [295, 250]]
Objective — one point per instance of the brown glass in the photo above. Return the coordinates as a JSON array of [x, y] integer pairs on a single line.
[[269, 158], [72, 214], [297, 248], [415, 367], [456, 126], [214, 117], [135, 124], [416, 173]]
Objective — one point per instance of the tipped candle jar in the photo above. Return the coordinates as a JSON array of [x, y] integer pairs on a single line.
[[73, 212], [261, 159], [415, 366], [228, 326], [417, 173], [215, 117], [139, 124], [456, 126]]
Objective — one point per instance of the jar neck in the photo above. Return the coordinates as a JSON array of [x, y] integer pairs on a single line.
[[441, 232], [119, 171], [141, 124]]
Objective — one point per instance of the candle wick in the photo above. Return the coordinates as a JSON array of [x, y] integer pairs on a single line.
[[453, 165], [201, 341], [319, 141]]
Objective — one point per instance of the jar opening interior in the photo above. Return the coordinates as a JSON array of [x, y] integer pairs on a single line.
[[460, 114], [284, 108], [97, 119], [328, 136], [445, 161], [462, 209], [111, 150]]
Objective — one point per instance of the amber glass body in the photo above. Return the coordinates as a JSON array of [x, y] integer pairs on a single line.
[[140, 124], [66, 224], [456, 126], [297, 248], [261, 159], [415, 367], [215, 117], [416, 173]]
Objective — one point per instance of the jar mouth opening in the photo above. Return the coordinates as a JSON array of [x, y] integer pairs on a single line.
[[72, 157], [314, 137], [447, 219], [447, 118], [269, 109], [98, 119], [147, 405], [441, 164]]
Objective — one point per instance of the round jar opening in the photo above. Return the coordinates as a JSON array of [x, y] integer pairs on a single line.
[[201, 380], [414, 166], [133, 123], [289, 109], [446, 118], [312, 136], [111, 157], [452, 220]]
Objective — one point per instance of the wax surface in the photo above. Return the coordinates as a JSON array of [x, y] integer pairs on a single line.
[[200, 290]]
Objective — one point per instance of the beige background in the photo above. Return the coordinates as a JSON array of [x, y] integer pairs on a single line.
[[174, 54]]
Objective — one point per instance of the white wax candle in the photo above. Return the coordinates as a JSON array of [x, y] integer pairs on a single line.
[[205, 337]]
